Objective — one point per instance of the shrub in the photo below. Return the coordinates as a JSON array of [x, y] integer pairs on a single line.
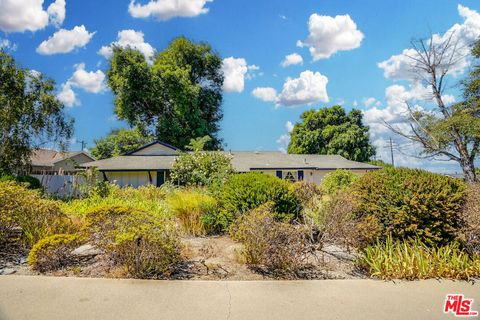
[[26, 211], [27, 181], [470, 232], [53, 252], [246, 191], [271, 246], [412, 259], [148, 247], [409, 203], [192, 207], [337, 180], [201, 168], [306, 192]]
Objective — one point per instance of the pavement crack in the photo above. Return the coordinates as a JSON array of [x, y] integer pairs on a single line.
[[229, 300]]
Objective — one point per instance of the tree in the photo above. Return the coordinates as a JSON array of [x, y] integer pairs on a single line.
[[450, 132], [30, 115], [119, 142], [332, 131], [201, 168], [175, 98]]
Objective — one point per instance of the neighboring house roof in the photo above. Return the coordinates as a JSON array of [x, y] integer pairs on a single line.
[[151, 144], [48, 158], [241, 161]]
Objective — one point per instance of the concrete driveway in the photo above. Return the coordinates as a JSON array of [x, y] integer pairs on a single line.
[[28, 297]]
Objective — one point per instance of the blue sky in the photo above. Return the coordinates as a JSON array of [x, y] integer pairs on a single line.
[[347, 40]]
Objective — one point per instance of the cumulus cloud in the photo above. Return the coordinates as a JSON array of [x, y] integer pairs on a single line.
[[371, 101], [64, 41], [284, 139], [234, 70], [167, 9], [308, 88], [6, 44], [129, 39], [292, 59], [400, 66], [29, 15], [89, 81], [329, 35], [265, 94]]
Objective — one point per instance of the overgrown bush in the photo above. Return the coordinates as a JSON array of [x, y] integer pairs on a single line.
[[470, 232], [148, 247], [27, 181], [337, 180], [408, 203], [306, 192], [200, 168], [26, 213], [274, 247], [53, 252], [246, 191], [412, 259], [193, 209]]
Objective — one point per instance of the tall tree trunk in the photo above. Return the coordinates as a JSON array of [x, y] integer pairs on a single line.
[[468, 168]]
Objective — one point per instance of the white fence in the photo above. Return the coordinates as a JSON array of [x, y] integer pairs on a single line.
[[60, 185]]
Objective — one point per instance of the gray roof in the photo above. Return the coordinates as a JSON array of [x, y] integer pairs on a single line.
[[47, 158], [241, 161]]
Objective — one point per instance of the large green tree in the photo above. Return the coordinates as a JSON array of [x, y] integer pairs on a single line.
[[119, 142], [332, 131], [30, 115], [176, 97]]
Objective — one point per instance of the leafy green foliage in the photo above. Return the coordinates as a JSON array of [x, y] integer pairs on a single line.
[[332, 131], [118, 142], [412, 259], [146, 246], [269, 245], [53, 252], [246, 191], [25, 210], [176, 98], [337, 180], [28, 181], [407, 203], [201, 168], [380, 163], [30, 115], [192, 207]]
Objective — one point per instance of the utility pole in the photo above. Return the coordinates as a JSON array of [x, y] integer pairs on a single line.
[[84, 144], [391, 151]]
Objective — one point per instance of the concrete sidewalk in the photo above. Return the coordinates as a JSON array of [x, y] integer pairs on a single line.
[[25, 297]]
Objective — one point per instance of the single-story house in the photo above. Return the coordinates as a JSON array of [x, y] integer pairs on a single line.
[[152, 163], [52, 162]]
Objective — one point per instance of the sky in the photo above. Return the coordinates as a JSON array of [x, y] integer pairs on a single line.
[[280, 58]]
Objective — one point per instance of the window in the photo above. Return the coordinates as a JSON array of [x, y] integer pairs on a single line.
[[291, 176]]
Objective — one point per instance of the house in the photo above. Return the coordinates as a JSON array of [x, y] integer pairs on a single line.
[[152, 163], [52, 162]]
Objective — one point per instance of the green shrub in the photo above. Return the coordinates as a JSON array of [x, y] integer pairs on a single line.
[[200, 168], [53, 252], [26, 211], [337, 180], [146, 246], [191, 208], [246, 191], [412, 259], [410, 203], [28, 181], [271, 246]]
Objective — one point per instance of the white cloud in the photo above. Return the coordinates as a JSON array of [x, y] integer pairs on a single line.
[[56, 12], [234, 70], [129, 39], [448, 99], [89, 81], [284, 139], [7, 45], [400, 66], [29, 15], [265, 94], [292, 59], [167, 9], [368, 102], [329, 35], [64, 41], [308, 88], [67, 96]]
